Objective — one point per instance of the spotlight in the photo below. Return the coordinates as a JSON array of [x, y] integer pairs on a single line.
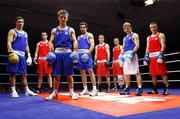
[[142, 3]]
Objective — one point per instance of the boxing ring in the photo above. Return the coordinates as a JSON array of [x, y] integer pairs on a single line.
[[103, 106]]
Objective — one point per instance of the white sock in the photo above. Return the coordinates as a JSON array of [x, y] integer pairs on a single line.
[[94, 88], [71, 90], [85, 88], [13, 89], [26, 89], [139, 86], [55, 91], [127, 86]]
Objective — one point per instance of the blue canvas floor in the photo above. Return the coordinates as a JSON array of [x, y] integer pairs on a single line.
[[37, 108]]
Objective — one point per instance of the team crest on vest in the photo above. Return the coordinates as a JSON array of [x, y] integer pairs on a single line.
[[66, 33]]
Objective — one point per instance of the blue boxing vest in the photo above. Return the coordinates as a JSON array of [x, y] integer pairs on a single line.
[[20, 40], [129, 43], [62, 38], [83, 42]]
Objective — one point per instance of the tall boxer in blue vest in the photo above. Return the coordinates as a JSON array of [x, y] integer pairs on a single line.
[[61, 40], [85, 48], [17, 42]]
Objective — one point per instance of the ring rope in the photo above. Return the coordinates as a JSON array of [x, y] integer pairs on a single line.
[[167, 62]]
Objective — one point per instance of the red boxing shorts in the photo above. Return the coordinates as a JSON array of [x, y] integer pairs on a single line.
[[102, 70], [116, 69], [43, 67], [157, 68]]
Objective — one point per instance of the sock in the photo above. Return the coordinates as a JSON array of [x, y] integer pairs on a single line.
[[55, 91], [26, 88], [94, 88], [71, 90], [85, 88], [127, 86], [139, 86], [99, 87], [13, 89], [166, 85]]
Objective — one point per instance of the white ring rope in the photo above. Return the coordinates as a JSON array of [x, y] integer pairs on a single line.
[[7, 74], [167, 62]]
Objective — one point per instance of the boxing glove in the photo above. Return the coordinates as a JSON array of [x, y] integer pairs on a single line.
[[129, 56], [74, 56], [85, 57], [107, 64], [160, 57], [146, 59], [51, 57], [121, 57], [29, 60]]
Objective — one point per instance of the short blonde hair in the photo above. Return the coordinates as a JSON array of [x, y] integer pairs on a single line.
[[127, 24], [64, 12]]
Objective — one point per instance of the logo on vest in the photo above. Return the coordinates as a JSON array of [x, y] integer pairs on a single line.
[[66, 33]]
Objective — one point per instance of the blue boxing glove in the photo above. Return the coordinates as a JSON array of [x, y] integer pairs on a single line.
[[74, 56], [146, 59], [160, 57], [51, 57], [121, 57], [85, 57], [129, 56]]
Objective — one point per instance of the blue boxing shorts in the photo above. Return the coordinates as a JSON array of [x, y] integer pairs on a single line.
[[19, 67], [85, 65], [63, 65]]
